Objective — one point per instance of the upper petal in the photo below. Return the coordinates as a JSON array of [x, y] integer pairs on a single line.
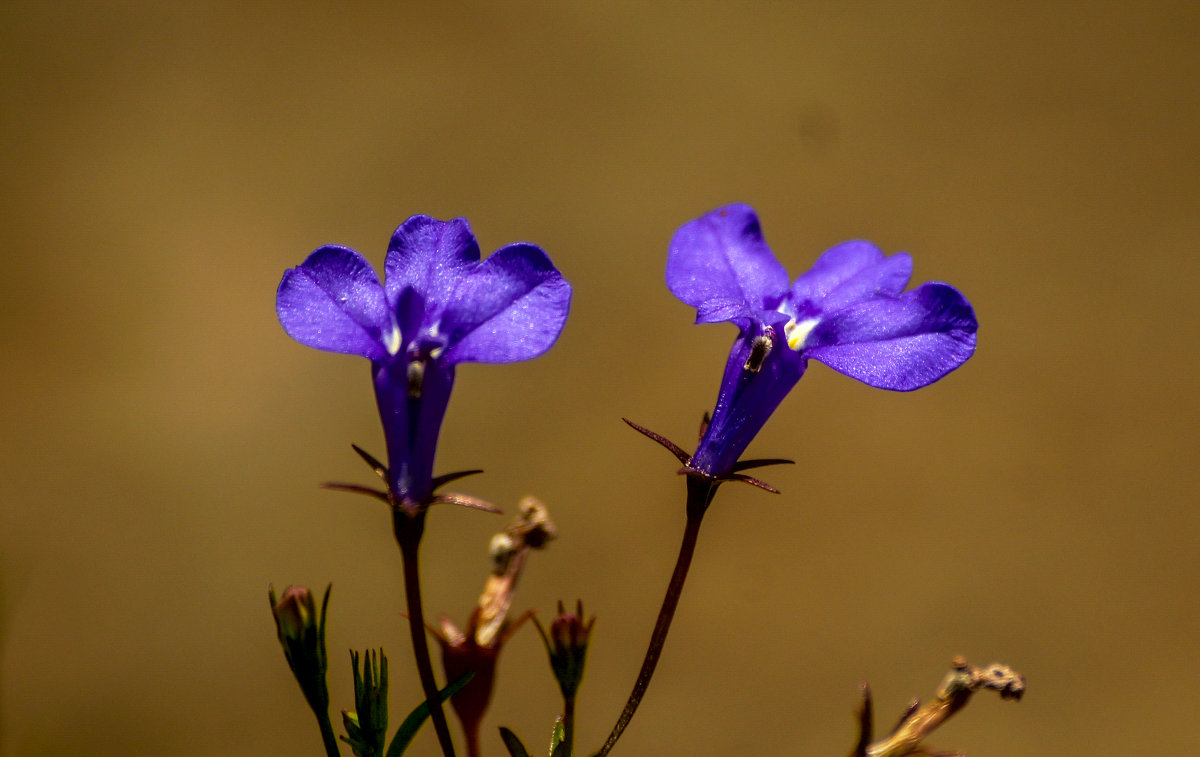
[[900, 343], [333, 301], [849, 273], [430, 256], [511, 307], [720, 264]]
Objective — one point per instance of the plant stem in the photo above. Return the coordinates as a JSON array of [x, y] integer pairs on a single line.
[[700, 494], [473, 743], [568, 725], [408, 529], [327, 735]]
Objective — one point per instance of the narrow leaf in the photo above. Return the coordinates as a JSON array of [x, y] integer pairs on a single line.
[[416, 718], [557, 747], [515, 747]]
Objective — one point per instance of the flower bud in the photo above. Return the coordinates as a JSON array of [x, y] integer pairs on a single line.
[[366, 726], [301, 631], [294, 612], [566, 644]]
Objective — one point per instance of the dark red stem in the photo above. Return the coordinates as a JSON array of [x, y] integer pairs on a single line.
[[408, 528], [700, 494]]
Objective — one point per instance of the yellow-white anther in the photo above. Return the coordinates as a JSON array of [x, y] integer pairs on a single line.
[[797, 333], [434, 334], [391, 340]]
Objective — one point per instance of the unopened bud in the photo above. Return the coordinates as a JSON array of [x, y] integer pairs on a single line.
[[294, 612], [566, 644], [301, 631], [366, 726]]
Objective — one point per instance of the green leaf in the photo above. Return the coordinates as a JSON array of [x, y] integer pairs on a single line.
[[556, 738], [417, 718], [515, 747]]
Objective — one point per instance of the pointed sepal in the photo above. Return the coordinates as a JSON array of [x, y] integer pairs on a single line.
[[465, 500], [366, 726], [679, 453], [338, 486], [445, 478], [380, 469]]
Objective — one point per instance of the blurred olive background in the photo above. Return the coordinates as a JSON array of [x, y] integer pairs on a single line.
[[163, 438]]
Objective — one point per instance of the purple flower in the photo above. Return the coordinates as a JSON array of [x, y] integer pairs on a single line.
[[849, 312], [440, 305]]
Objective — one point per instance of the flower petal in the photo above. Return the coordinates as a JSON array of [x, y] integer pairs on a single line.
[[720, 264], [411, 424], [900, 343], [746, 400], [333, 301], [511, 307], [429, 256], [849, 273]]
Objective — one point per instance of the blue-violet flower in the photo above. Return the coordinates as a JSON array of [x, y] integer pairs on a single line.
[[439, 305], [847, 312]]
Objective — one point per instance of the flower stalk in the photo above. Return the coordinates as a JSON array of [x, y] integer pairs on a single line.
[[700, 492], [408, 530]]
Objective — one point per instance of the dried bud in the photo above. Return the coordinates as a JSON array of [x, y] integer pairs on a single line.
[[566, 643], [501, 550], [918, 721], [462, 654], [534, 526], [532, 529], [475, 649]]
